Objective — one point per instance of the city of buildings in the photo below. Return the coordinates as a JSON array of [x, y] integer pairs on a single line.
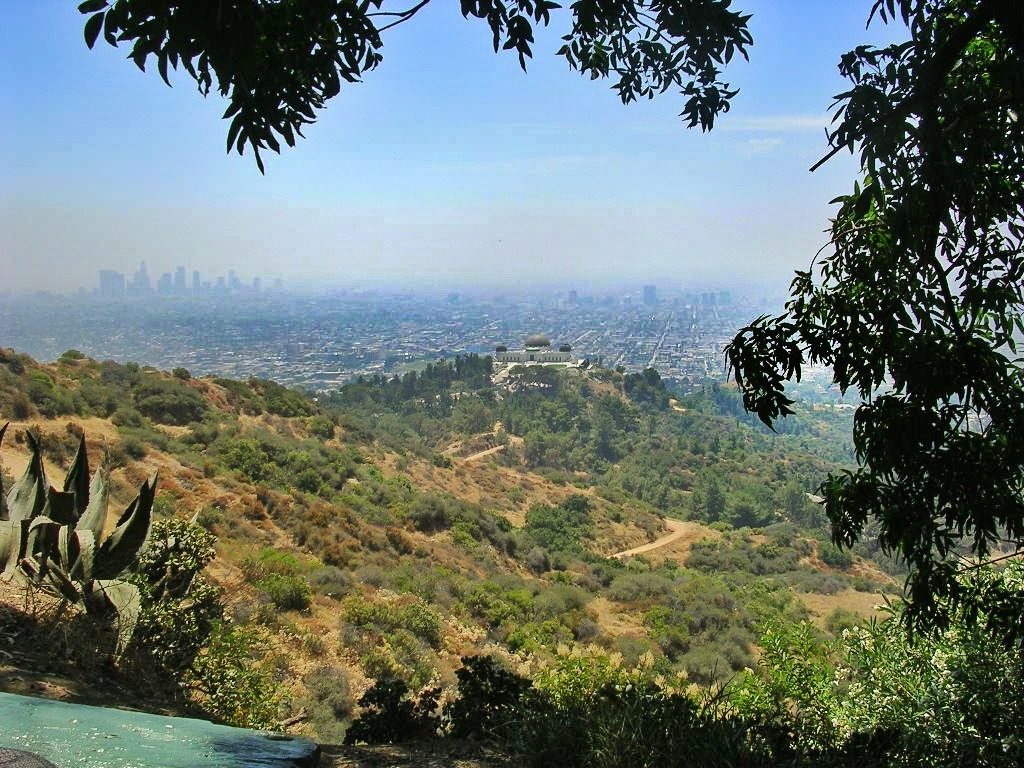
[[320, 341], [115, 285]]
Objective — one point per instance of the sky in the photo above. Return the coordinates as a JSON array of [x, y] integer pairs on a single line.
[[447, 167]]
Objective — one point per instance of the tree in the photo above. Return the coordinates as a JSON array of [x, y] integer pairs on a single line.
[[917, 303], [279, 61]]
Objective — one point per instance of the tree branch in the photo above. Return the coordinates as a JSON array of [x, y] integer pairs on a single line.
[[982, 564], [403, 16]]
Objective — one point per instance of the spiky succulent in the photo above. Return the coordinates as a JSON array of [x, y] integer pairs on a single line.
[[54, 539]]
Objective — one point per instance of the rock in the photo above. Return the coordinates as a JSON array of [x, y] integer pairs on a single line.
[[15, 758]]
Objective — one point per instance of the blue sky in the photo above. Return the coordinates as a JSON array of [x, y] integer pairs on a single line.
[[447, 166]]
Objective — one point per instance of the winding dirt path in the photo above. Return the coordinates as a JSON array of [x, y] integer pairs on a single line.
[[481, 454], [677, 529]]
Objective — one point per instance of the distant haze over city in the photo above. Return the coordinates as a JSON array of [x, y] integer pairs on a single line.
[[448, 166], [227, 326], [305, 248]]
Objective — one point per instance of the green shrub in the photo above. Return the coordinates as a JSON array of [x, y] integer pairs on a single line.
[[390, 713], [328, 703], [169, 402], [287, 593], [320, 426], [835, 557], [209, 516], [414, 617], [230, 682], [421, 621], [179, 607], [632, 587], [330, 581], [126, 416], [248, 456]]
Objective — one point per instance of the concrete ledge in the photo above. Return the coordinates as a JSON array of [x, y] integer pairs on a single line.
[[78, 736]]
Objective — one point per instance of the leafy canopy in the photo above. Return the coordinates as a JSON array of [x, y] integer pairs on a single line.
[[916, 303], [279, 61]]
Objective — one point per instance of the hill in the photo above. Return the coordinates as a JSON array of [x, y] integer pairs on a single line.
[[390, 529]]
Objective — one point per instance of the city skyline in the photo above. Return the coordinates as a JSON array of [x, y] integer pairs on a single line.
[[114, 285]]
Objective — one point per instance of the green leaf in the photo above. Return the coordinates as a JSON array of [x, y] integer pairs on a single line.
[[60, 507], [4, 512], [119, 550], [41, 539], [28, 496], [12, 544], [63, 585], [76, 552], [77, 479], [121, 597], [92, 28], [89, 6], [95, 515]]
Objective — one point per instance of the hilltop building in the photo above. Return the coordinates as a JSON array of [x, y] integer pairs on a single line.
[[536, 349]]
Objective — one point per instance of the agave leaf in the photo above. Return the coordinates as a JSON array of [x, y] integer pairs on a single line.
[[67, 549], [12, 544], [86, 556], [60, 506], [77, 479], [76, 550], [122, 547], [28, 495], [4, 512], [64, 585], [31, 568], [122, 597], [40, 542], [95, 515]]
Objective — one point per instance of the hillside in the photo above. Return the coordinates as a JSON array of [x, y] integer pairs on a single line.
[[392, 528]]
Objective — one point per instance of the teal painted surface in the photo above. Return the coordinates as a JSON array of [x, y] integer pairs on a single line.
[[77, 736]]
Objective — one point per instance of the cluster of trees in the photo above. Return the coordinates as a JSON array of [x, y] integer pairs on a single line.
[[431, 387]]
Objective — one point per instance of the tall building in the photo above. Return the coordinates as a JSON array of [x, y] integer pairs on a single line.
[[179, 282], [140, 285], [111, 284], [165, 284], [197, 285], [650, 295]]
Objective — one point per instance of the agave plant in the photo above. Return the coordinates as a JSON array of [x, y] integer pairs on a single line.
[[54, 539]]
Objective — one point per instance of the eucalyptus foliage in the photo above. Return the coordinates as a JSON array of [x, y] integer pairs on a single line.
[[917, 302]]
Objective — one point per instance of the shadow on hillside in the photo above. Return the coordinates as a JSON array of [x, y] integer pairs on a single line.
[[439, 753]]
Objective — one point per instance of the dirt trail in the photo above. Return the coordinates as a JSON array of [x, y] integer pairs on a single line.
[[487, 452], [677, 529]]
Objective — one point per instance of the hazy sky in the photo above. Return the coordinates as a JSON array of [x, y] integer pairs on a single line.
[[447, 166]]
